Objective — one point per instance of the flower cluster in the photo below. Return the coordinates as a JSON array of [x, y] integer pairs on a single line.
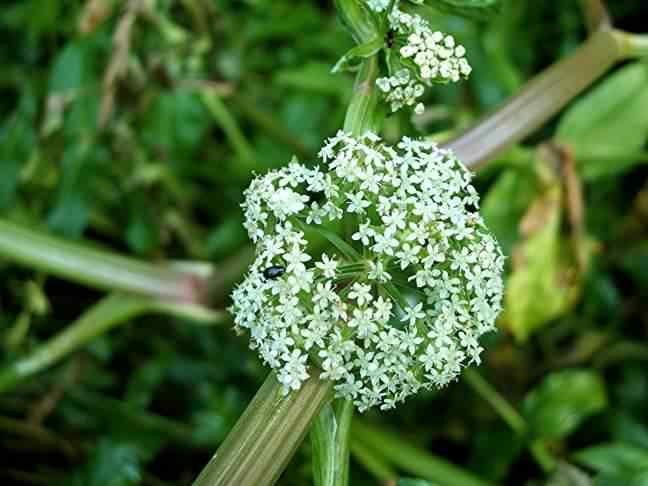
[[397, 307], [427, 57], [378, 5]]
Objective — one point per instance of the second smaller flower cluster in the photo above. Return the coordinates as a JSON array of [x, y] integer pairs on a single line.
[[423, 57]]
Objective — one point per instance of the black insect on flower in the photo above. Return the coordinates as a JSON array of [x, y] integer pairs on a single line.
[[390, 37], [274, 272]]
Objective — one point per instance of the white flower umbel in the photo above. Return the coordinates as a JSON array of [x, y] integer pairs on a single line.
[[401, 308], [426, 57]]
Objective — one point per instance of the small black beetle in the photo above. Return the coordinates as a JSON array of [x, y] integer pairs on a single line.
[[274, 273]]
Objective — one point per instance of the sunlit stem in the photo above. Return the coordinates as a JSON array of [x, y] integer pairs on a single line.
[[266, 436], [100, 269], [543, 97], [632, 45]]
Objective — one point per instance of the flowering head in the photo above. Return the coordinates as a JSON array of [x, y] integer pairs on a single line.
[[396, 307], [417, 57]]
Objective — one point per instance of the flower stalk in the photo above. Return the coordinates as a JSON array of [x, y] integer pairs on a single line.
[[331, 444], [266, 436]]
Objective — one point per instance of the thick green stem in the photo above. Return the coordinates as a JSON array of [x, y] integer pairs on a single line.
[[363, 113], [344, 414], [541, 98], [331, 442], [266, 436], [411, 459], [632, 45], [596, 15], [97, 268]]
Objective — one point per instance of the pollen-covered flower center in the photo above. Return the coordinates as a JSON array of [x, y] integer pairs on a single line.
[[377, 272]]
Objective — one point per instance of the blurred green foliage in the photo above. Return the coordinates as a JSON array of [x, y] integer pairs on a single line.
[[138, 124]]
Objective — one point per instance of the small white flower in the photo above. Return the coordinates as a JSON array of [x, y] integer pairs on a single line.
[[357, 203], [413, 314], [378, 273], [361, 293], [364, 234], [328, 266]]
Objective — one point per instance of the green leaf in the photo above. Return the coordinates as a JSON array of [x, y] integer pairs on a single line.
[[315, 77], [608, 128], [638, 479], [357, 19], [475, 9], [363, 51], [72, 68], [176, 123], [556, 407], [614, 458], [535, 294]]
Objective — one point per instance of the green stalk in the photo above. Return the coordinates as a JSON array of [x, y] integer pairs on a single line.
[[331, 444], [97, 268], [542, 98], [107, 313], [266, 436], [511, 416], [411, 459], [632, 45], [363, 113], [503, 408], [110, 312]]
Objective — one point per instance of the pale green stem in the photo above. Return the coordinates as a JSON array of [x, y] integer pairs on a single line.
[[363, 113], [596, 14], [632, 45], [411, 459], [344, 415], [266, 436], [540, 99], [114, 310], [109, 312], [330, 443], [98, 268]]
